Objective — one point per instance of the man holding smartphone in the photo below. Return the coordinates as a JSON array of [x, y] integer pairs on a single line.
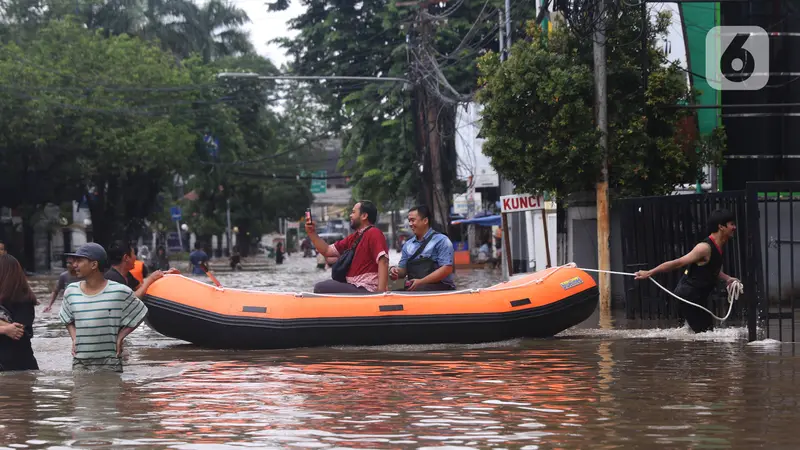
[[368, 270]]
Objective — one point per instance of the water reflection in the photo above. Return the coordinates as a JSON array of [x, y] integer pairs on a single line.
[[598, 388]]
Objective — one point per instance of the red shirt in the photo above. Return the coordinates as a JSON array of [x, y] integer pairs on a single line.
[[363, 270]]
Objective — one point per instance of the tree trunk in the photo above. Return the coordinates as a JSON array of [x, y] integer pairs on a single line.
[[28, 244], [244, 241], [99, 210]]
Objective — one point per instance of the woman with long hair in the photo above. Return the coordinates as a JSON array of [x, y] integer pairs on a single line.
[[17, 312]]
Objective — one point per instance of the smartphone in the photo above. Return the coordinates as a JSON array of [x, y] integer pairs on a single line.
[[308, 215]]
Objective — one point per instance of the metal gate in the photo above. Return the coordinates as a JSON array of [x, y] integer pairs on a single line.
[[773, 258], [658, 229]]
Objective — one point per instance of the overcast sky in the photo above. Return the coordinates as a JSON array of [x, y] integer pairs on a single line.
[[266, 26]]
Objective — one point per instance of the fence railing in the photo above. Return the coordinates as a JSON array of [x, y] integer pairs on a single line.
[[658, 229], [773, 210]]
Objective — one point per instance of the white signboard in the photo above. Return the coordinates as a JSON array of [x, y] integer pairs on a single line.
[[524, 202], [461, 203]]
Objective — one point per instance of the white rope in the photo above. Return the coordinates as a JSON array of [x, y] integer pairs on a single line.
[[735, 289]]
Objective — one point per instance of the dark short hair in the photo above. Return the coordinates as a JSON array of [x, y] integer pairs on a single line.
[[718, 218], [422, 211], [369, 208], [117, 250]]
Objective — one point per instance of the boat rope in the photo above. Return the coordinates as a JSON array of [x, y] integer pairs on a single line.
[[503, 286], [735, 289]]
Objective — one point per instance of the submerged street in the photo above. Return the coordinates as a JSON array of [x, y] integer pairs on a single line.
[[587, 387]]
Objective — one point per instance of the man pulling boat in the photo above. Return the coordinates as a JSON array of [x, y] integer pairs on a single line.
[[704, 270]]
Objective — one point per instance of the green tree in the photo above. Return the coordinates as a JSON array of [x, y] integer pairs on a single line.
[[253, 141], [212, 30], [112, 108], [379, 122], [538, 114]]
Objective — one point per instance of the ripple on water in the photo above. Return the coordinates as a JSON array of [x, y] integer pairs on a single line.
[[615, 388]]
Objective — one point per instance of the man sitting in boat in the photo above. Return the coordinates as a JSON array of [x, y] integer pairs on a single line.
[[427, 258], [361, 260]]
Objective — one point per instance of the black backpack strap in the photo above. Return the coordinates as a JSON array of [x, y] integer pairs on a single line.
[[422, 246], [358, 239]]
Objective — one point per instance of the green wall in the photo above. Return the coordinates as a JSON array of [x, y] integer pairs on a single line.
[[697, 19]]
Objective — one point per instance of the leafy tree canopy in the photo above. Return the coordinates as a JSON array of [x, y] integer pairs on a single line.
[[538, 116]]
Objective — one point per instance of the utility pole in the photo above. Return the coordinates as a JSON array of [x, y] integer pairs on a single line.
[[441, 212], [501, 39], [508, 26], [601, 111], [427, 123], [228, 231]]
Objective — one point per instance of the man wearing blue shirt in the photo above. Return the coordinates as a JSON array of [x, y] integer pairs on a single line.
[[427, 258], [197, 257]]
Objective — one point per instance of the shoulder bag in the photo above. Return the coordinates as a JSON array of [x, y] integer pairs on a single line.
[[419, 268], [342, 265]]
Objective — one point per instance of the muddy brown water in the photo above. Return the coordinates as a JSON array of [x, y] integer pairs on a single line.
[[586, 388]]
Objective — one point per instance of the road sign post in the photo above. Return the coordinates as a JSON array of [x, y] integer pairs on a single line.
[[319, 182], [175, 213]]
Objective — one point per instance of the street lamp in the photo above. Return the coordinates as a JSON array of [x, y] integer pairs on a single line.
[[88, 224]]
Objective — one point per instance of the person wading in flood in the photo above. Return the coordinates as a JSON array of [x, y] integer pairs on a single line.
[[98, 313], [121, 257], [66, 278], [17, 314], [704, 271]]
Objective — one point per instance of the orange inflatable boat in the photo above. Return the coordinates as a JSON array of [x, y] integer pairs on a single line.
[[541, 304]]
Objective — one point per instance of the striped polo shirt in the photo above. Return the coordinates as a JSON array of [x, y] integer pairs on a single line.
[[99, 318]]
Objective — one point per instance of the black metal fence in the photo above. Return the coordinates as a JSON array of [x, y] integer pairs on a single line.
[[658, 229], [773, 211]]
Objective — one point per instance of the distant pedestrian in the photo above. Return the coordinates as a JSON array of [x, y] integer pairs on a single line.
[[17, 313], [66, 278], [279, 253], [236, 259], [98, 313], [196, 257], [3, 248], [160, 261]]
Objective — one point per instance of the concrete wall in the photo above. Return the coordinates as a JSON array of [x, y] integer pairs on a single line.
[[582, 243]]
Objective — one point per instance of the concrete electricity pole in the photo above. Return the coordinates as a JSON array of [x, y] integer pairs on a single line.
[[601, 108]]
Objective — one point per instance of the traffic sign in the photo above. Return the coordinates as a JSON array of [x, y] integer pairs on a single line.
[[175, 212], [319, 182]]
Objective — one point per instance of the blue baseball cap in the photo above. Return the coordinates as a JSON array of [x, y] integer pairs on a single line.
[[90, 251]]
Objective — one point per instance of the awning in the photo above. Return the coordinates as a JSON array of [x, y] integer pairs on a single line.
[[486, 221]]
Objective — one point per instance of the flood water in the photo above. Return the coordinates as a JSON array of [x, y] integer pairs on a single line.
[[586, 388]]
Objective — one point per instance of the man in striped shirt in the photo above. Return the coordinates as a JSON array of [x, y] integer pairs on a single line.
[[98, 313]]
